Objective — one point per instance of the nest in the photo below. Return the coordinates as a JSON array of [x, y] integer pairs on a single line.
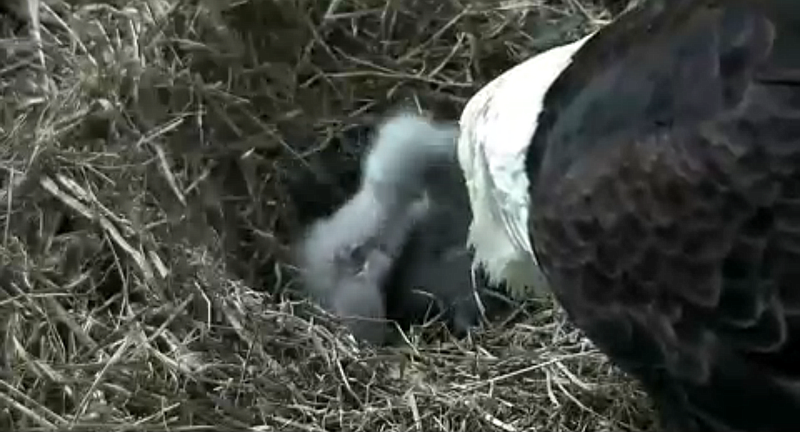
[[146, 213]]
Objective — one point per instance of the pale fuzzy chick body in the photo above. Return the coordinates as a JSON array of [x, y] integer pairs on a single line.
[[345, 259]]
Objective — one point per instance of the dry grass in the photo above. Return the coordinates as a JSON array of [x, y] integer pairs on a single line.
[[145, 152]]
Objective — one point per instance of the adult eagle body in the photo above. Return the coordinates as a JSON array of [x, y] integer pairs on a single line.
[[652, 170]]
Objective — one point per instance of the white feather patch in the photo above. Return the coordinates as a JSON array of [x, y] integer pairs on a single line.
[[497, 125]]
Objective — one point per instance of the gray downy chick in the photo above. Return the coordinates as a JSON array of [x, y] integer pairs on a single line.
[[346, 258]]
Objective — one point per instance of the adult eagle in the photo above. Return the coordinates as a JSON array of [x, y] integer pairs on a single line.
[[652, 169]]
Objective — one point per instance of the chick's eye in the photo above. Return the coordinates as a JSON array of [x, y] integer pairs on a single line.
[[352, 255], [358, 253]]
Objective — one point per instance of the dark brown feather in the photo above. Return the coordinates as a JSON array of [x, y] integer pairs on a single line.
[[666, 207]]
